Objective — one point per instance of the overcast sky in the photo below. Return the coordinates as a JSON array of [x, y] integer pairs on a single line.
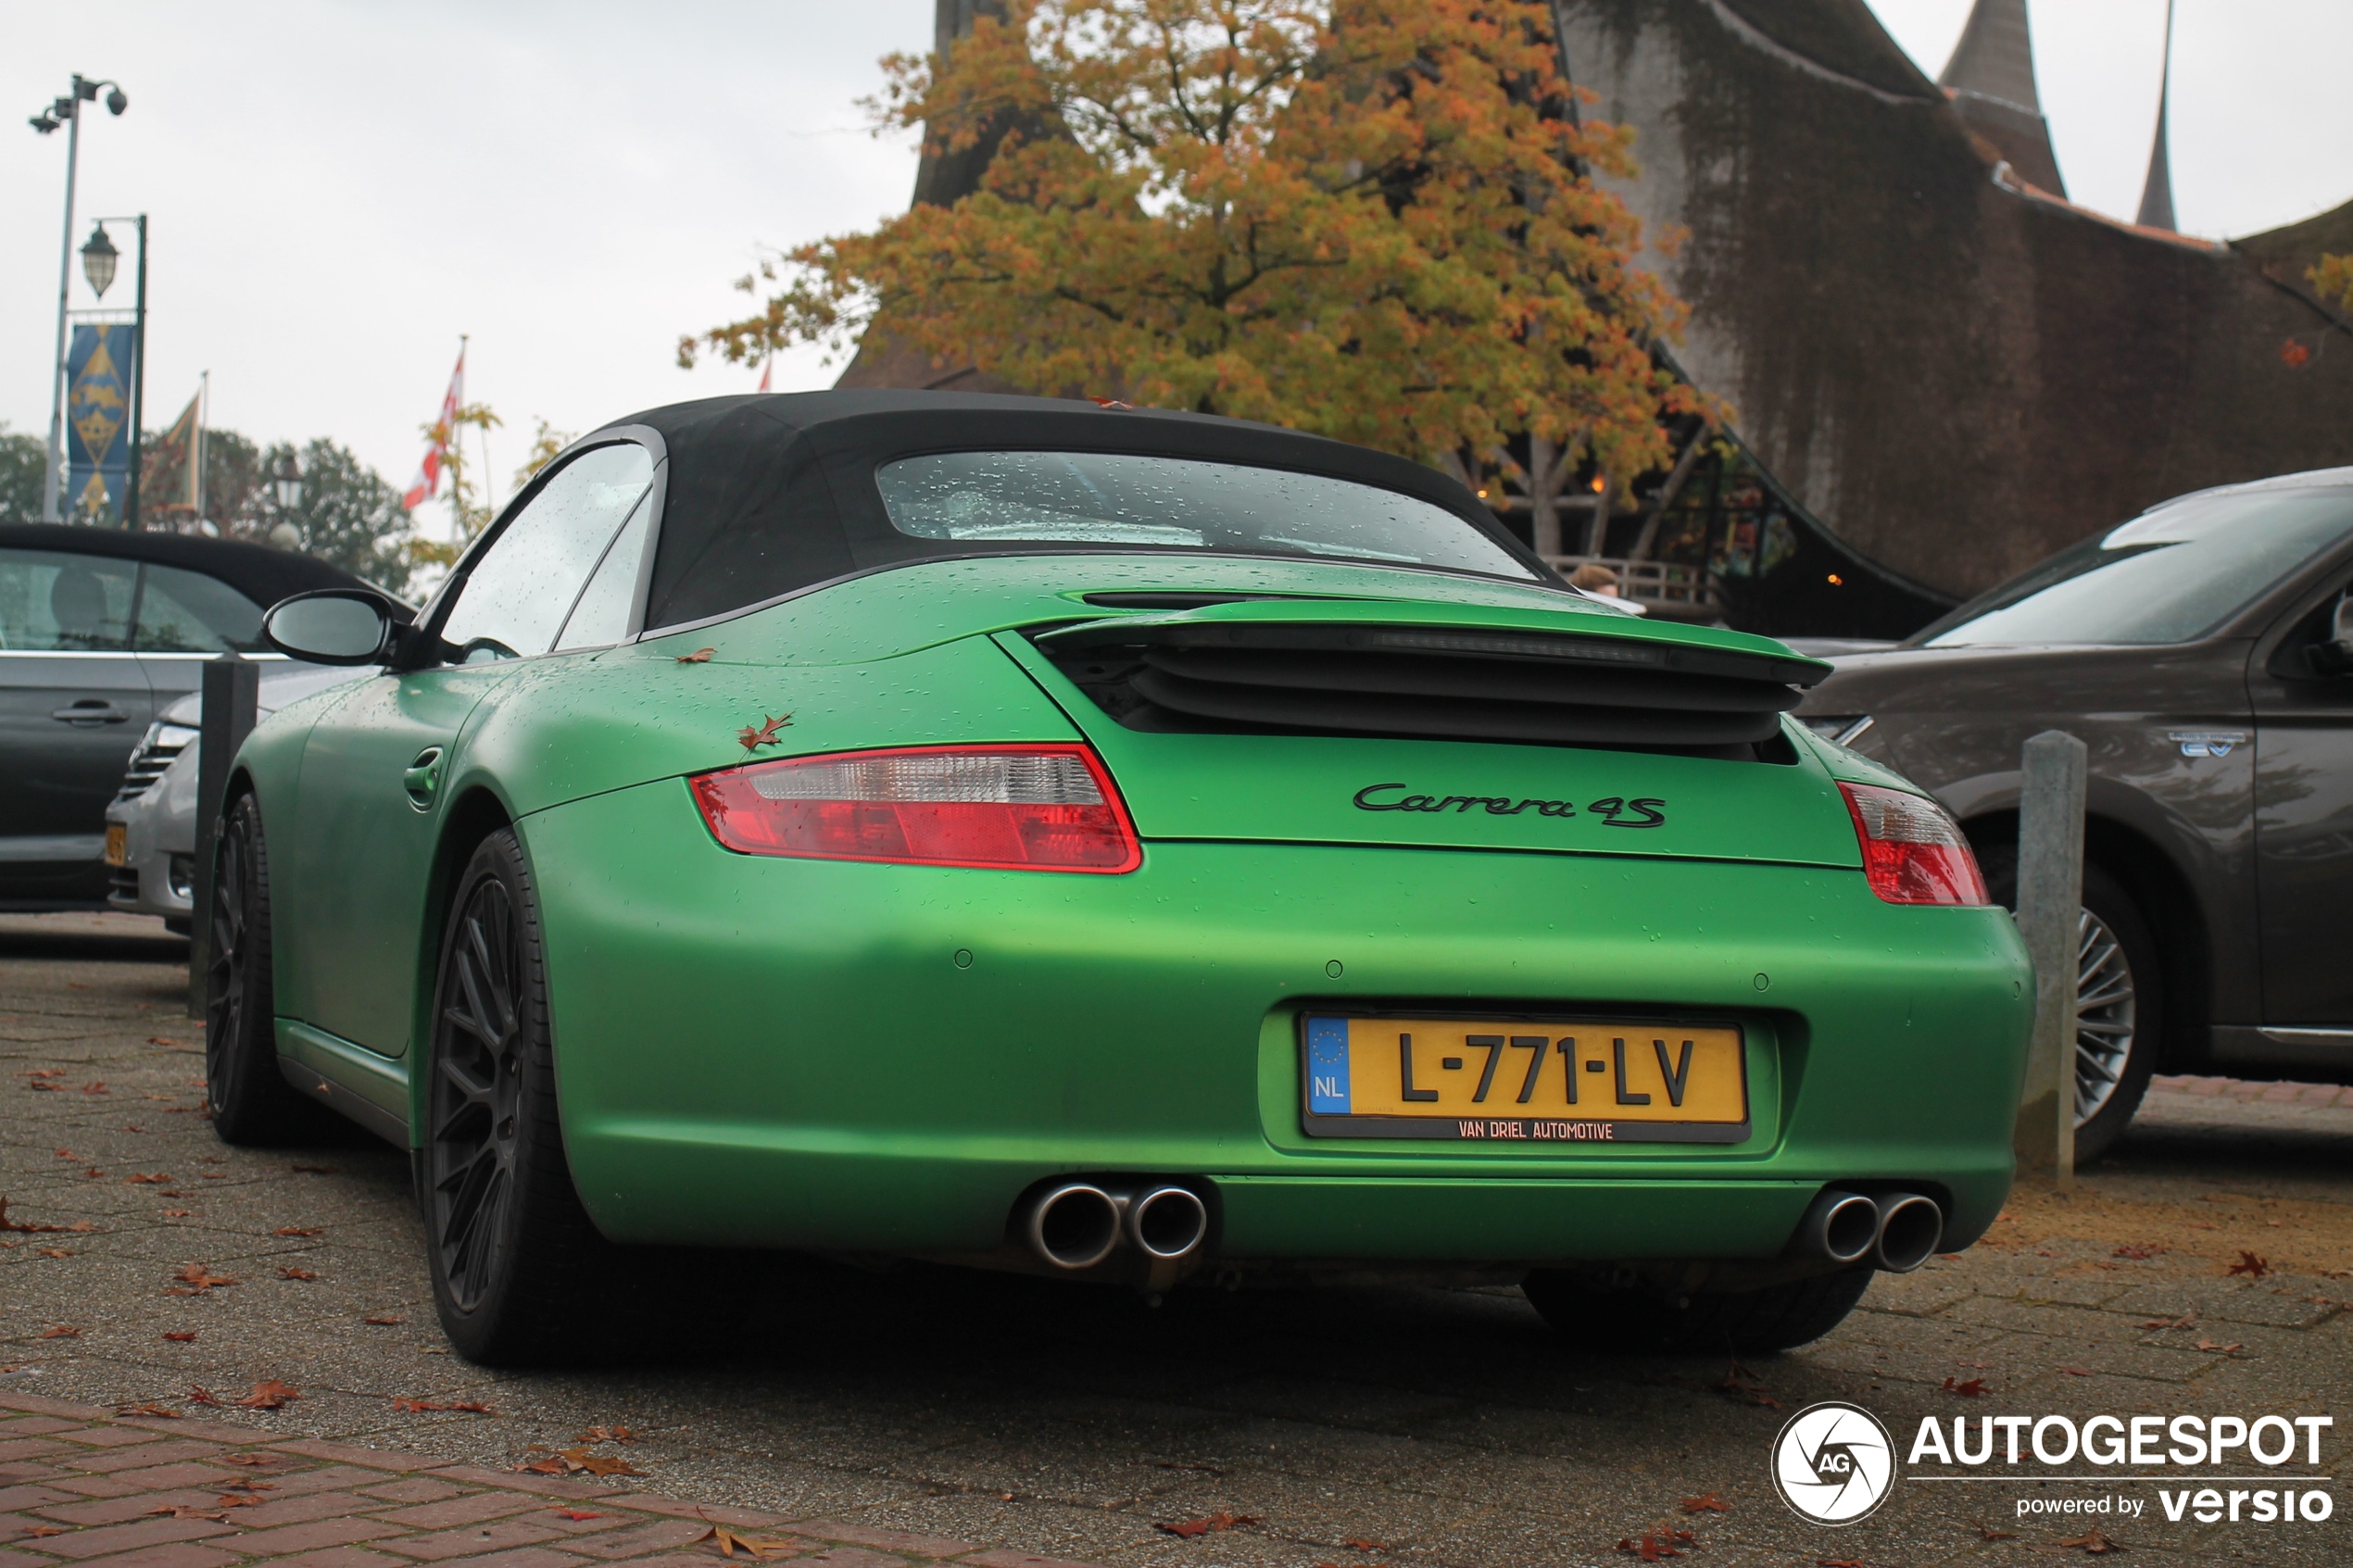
[[337, 191]]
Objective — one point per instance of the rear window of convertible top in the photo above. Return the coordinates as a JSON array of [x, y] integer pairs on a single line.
[[1011, 499]]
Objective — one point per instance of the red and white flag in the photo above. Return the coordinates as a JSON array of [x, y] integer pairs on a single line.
[[427, 483]]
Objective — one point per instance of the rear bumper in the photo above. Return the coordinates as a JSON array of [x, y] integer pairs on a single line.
[[776, 1052]]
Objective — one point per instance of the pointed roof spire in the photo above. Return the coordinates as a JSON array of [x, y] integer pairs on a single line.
[[2157, 194], [1991, 82]]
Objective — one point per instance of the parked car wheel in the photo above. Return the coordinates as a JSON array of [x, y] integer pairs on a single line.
[[250, 1100], [2119, 1001], [1775, 1318], [511, 1248]]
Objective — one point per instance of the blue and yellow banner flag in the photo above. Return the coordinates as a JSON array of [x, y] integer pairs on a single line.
[[98, 368]]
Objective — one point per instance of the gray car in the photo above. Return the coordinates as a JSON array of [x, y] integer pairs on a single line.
[[154, 856], [98, 628], [2204, 652]]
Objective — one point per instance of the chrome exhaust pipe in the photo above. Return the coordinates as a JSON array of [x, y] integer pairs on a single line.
[[1910, 1227], [1167, 1222], [1073, 1227], [1841, 1226]]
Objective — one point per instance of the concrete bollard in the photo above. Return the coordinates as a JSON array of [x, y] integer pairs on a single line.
[[232, 697], [2050, 905]]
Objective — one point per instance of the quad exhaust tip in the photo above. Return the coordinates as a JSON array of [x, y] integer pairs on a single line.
[[1896, 1232], [1075, 1225]]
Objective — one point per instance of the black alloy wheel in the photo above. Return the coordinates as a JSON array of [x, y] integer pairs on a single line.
[[512, 1251], [250, 1100]]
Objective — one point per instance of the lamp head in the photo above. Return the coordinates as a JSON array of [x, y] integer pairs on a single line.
[[99, 259], [288, 481], [117, 101]]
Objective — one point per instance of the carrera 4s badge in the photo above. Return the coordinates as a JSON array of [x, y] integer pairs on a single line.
[[1615, 812]]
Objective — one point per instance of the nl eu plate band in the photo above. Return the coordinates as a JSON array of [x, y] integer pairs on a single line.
[[1525, 1081]]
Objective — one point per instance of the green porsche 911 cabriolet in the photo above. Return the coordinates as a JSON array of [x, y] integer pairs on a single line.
[[1127, 846]]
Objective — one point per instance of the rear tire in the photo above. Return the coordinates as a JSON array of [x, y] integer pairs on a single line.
[[251, 1104], [514, 1256], [1777, 1317]]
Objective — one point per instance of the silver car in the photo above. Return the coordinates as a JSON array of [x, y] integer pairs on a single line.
[[151, 825]]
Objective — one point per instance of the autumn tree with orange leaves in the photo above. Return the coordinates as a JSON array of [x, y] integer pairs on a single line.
[[1377, 220]]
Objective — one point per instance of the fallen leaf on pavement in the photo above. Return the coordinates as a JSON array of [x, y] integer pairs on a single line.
[[2253, 1267], [2205, 1344], [1973, 1389], [2091, 1542], [249, 1485], [1657, 1545], [414, 1406], [47, 1530], [607, 1435], [2075, 1371], [147, 1410], [1838, 1562], [199, 1278], [198, 1395], [54, 1252], [2139, 1250], [164, 1040], [1987, 1533], [729, 1543], [97, 1088], [225, 1500], [179, 1213], [268, 1395], [296, 1230], [181, 1336], [45, 1072], [256, 1459], [1706, 1502], [2184, 1321], [700, 656], [155, 1180], [1220, 1521], [383, 1321], [575, 1515], [289, 1271], [61, 1332], [26, 1226], [181, 1510], [1363, 1545]]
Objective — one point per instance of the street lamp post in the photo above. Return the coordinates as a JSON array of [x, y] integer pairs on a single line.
[[66, 111], [99, 260]]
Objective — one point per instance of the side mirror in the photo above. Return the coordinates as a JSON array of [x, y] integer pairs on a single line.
[[334, 626], [2332, 655]]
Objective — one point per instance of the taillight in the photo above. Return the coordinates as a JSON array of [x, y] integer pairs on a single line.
[[1913, 852], [1008, 808]]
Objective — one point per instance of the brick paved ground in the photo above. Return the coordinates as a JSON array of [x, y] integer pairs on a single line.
[[2245, 1093], [77, 1487], [1448, 1426]]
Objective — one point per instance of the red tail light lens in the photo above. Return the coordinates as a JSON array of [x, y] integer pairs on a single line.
[[1913, 852], [1007, 808]]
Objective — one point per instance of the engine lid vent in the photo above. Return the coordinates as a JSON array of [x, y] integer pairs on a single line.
[[1430, 682]]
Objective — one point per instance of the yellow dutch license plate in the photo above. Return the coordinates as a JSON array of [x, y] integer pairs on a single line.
[[1522, 1081], [118, 848]]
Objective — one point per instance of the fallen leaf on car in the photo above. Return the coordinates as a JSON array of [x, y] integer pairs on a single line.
[[182, 1510], [297, 1230], [181, 1336], [607, 1435], [198, 1277], [766, 733], [384, 1321], [1973, 1389], [700, 656], [289, 1271], [729, 1543], [2091, 1542], [2205, 1344], [1706, 1502], [147, 1410], [2250, 1264], [61, 1332], [2139, 1250], [268, 1395], [1186, 1529]]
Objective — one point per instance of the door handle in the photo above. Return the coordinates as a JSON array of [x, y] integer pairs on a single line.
[[422, 777], [90, 711]]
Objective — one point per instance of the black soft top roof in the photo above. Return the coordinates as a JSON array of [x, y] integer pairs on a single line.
[[260, 573], [767, 495]]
